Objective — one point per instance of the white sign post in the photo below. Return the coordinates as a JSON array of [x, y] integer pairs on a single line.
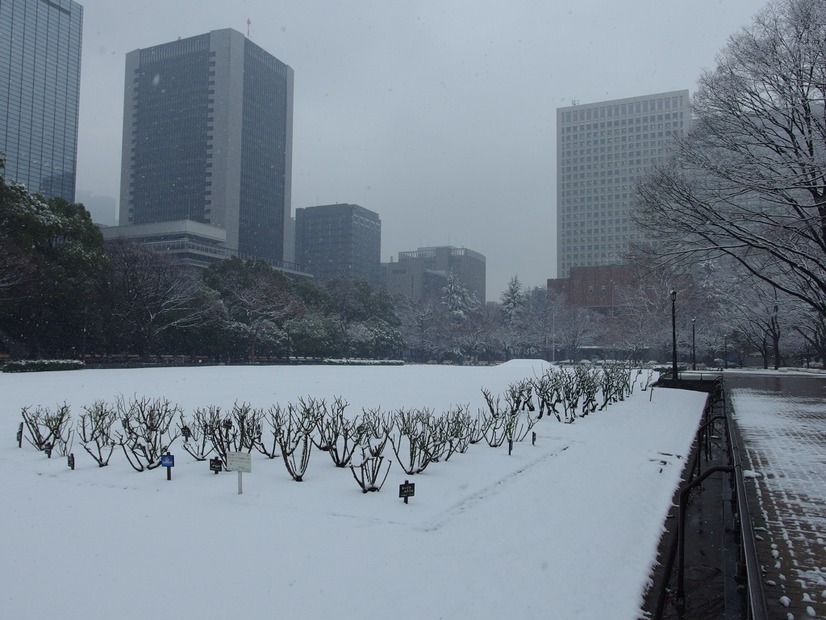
[[240, 462]]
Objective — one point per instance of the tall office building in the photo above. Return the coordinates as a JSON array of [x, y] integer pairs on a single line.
[[339, 240], [39, 93], [207, 148], [601, 151]]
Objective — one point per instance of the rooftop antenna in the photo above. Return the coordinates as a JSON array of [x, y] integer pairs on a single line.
[[249, 23]]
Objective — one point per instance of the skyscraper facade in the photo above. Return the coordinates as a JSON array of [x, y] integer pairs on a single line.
[[339, 240], [601, 150], [207, 145], [40, 43]]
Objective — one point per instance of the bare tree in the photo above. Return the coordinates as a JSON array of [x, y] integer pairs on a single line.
[[749, 181], [576, 327], [151, 292]]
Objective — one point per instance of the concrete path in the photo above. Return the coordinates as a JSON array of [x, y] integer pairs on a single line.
[[782, 424]]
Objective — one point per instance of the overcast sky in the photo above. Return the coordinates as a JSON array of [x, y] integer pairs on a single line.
[[438, 115]]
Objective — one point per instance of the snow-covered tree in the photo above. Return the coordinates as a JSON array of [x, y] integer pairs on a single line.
[[315, 335], [51, 257], [147, 293], [749, 181], [514, 302], [457, 300]]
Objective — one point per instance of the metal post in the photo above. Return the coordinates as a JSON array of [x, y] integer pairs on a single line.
[[725, 351], [674, 335], [693, 345]]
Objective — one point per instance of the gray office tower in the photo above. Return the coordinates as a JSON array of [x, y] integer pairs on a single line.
[[601, 151], [207, 146], [39, 92], [339, 240]]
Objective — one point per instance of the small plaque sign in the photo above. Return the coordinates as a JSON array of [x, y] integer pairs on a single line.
[[407, 489], [239, 461], [216, 465], [167, 460]]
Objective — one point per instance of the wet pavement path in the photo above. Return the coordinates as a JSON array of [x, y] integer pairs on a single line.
[[782, 424]]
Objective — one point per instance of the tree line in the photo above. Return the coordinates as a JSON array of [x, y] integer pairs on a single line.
[[66, 294]]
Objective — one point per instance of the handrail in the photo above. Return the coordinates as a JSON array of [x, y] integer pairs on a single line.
[[756, 599], [754, 582]]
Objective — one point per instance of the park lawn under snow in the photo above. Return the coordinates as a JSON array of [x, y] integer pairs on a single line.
[[567, 528]]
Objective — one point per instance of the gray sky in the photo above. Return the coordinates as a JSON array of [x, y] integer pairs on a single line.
[[439, 115]]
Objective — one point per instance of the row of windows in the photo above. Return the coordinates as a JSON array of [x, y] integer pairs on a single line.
[[639, 121], [651, 131], [618, 152], [611, 152], [632, 158], [621, 109]]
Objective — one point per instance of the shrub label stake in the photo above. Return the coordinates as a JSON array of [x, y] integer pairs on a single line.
[[240, 462], [20, 436], [168, 461], [407, 490], [71, 461], [215, 465]]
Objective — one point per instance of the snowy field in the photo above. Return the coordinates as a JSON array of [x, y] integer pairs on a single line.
[[567, 528]]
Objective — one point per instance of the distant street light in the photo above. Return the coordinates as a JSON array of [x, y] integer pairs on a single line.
[[674, 334], [693, 346]]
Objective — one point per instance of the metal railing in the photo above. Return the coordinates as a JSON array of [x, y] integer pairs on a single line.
[[748, 566]]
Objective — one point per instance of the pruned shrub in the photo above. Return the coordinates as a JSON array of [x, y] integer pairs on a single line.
[[147, 433], [337, 435], [49, 430], [368, 474], [95, 430], [197, 432]]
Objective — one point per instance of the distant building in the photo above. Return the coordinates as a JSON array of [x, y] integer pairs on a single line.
[[601, 150], [421, 275], [339, 240], [207, 149], [595, 288], [40, 44]]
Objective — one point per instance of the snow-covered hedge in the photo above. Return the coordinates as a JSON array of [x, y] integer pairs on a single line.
[[41, 365], [362, 362]]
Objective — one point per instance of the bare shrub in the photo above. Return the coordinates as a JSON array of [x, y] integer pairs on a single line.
[[95, 429], [369, 476], [146, 432]]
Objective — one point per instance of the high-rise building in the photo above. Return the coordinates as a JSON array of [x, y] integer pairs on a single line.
[[40, 44], [339, 240], [207, 148], [422, 274], [601, 150]]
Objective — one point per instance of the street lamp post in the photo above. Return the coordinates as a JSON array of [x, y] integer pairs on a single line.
[[725, 351], [693, 346], [674, 334]]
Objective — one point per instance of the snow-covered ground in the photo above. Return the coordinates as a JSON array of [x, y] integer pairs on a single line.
[[567, 528]]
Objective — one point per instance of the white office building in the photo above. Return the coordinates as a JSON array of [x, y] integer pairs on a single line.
[[602, 149]]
